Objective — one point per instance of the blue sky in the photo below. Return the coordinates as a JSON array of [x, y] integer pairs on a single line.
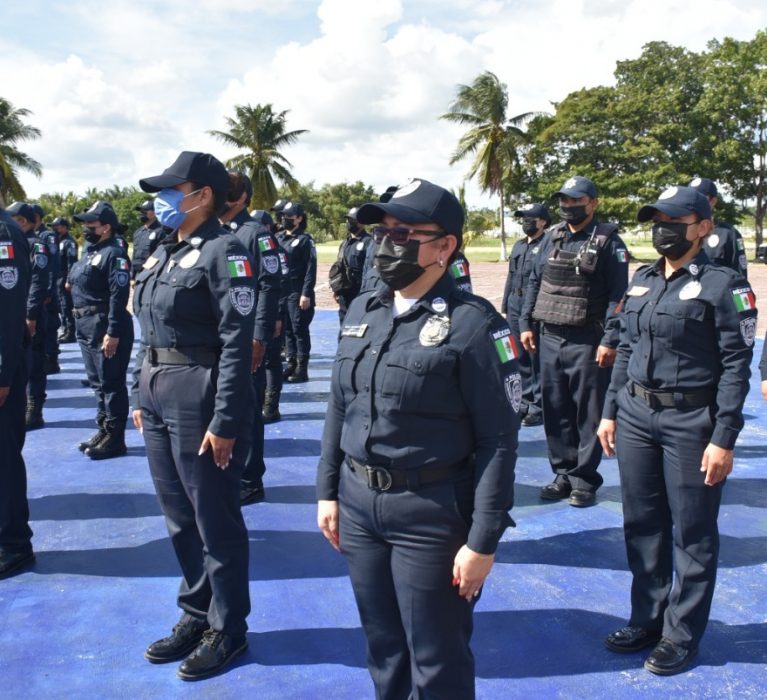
[[120, 87]]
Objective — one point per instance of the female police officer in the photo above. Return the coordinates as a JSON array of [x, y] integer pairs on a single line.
[[672, 414], [194, 299], [418, 453], [99, 283]]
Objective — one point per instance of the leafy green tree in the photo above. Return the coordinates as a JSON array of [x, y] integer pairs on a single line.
[[493, 138], [12, 131], [262, 134]]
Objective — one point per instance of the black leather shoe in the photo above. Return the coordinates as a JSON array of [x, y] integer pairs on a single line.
[[532, 419], [250, 495], [668, 658], [556, 490], [184, 638], [93, 440], [12, 564], [630, 639], [582, 499], [216, 651], [85, 383]]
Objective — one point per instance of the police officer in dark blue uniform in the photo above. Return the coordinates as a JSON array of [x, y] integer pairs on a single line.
[[724, 245], [262, 246], [672, 415], [299, 248], [147, 237], [419, 448], [578, 279], [535, 219], [15, 533], [346, 273], [67, 257], [272, 362], [100, 286], [39, 291], [195, 301]]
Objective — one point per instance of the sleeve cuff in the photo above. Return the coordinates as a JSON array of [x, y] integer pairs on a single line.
[[724, 436]]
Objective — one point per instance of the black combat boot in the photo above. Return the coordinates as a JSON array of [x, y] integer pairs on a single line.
[[52, 364], [34, 416], [111, 445], [68, 336], [94, 439], [290, 368], [301, 374], [271, 410]]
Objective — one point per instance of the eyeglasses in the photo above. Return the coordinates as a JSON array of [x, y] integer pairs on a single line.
[[399, 235]]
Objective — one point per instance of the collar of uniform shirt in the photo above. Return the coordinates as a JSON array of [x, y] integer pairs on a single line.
[[443, 289], [699, 260]]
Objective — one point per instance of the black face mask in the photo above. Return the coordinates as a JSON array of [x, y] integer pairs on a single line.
[[398, 264], [574, 215], [351, 227], [289, 224], [143, 218], [91, 236], [670, 239], [529, 228]]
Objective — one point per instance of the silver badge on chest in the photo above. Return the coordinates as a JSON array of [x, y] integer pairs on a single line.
[[190, 259], [434, 331], [690, 290]]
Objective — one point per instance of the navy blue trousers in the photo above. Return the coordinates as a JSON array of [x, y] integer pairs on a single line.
[[296, 323], [573, 393], [106, 375], [255, 467], [38, 381], [669, 515], [15, 533], [400, 546], [273, 364], [200, 501], [65, 300]]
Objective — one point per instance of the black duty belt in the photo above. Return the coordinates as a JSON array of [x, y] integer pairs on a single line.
[[672, 399], [383, 479], [81, 311], [207, 357]]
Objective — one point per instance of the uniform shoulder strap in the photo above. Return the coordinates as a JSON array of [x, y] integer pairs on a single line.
[[603, 233]]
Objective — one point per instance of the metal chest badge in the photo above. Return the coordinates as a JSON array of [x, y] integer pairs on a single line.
[[434, 331]]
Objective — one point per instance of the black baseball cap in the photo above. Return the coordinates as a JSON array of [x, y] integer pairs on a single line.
[[677, 202], [39, 211], [534, 211], [418, 202], [577, 187], [262, 217], [147, 205], [705, 186], [190, 166], [279, 205], [292, 209], [386, 196], [101, 212], [352, 214], [60, 221], [22, 209]]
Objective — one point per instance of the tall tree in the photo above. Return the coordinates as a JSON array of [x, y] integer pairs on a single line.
[[12, 131], [493, 138], [262, 133]]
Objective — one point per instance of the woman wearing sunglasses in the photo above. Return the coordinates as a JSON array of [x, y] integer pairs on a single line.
[[416, 475]]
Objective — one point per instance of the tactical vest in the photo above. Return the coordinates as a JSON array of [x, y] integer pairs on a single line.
[[563, 297]]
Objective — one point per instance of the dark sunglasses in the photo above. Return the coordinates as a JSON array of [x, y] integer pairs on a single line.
[[399, 235]]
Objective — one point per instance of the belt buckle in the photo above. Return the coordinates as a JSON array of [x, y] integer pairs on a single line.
[[151, 354], [379, 479]]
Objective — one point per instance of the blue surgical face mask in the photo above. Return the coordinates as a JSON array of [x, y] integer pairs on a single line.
[[167, 206]]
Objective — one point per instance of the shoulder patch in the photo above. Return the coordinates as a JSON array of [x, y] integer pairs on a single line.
[[266, 243], [6, 251], [744, 299], [622, 255], [748, 330], [270, 263], [121, 264], [238, 266], [243, 299], [505, 344], [9, 276], [512, 385]]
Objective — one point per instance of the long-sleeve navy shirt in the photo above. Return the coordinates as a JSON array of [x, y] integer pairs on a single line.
[[302, 262], [694, 330], [400, 399], [521, 261]]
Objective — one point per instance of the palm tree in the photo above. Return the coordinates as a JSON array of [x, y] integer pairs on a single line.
[[262, 133], [13, 130], [493, 137]]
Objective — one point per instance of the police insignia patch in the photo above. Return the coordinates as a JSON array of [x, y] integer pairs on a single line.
[[121, 278], [9, 276], [748, 330], [513, 386], [693, 269], [243, 299], [271, 263], [294, 243], [360, 245], [41, 261], [434, 331], [96, 259], [439, 305], [407, 189], [189, 259], [713, 240], [690, 290]]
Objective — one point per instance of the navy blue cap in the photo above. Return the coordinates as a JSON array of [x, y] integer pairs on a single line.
[[705, 186], [292, 209], [190, 166], [534, 211], [577, 187], [39, 211], [419, 202], [262, 217], [101, 212], [352, 214], [386, 196], [22, 209], [677, 202], [147, 205], [60, 221], [279, 205]]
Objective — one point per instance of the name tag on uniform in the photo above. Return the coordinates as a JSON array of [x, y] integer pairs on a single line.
[[150, 262], [355, 331], [96, 259], [637, 291]]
